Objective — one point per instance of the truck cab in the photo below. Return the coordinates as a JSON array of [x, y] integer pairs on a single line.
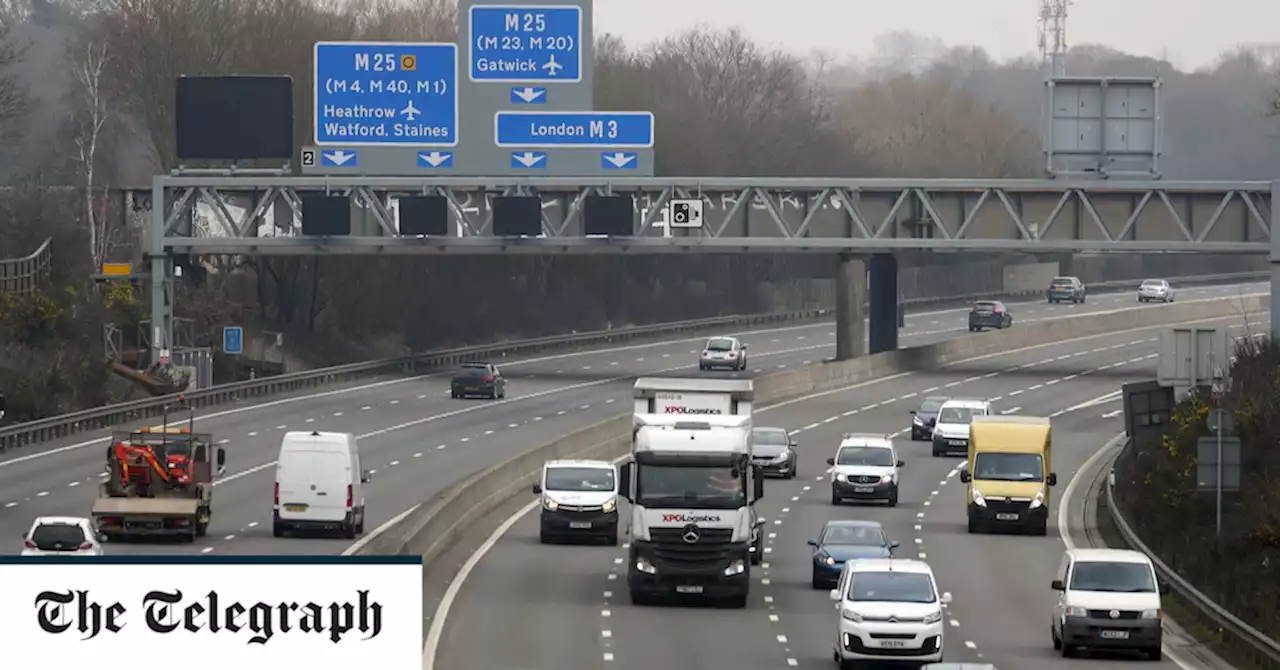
[[692, 489], [1009, 474]]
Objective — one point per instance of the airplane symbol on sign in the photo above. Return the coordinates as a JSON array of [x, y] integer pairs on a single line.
[[552, 66], [410, 111]]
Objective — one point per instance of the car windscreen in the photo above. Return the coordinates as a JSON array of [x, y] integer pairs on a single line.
[[874, 456], [473, 371], [930, 406], [1152, 283], [1062, 282], [984, 307], [57, 537], [579, 479], [891, 587], [959, 414], [768, 441], [994, 466], [1112, 577], [868, 536], [720, 344]]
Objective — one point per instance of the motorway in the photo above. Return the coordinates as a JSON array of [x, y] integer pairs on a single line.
[[418, 441], [561, 606]]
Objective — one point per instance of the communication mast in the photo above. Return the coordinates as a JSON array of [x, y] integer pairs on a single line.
[[1053, 36]]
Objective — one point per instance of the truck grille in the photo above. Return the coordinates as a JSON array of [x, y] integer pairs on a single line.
[[864, 479], [672, 553]]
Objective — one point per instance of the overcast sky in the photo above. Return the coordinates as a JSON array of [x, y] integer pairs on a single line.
[[1190, 33]]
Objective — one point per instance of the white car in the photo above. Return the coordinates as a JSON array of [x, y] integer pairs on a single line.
[[951, 430], [61, 536], [890, 610], [727, 353], [1108, 599], [1155, 290], [865, 467]]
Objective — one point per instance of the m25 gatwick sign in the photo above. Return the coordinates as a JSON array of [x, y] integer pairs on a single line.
[[330, 612]]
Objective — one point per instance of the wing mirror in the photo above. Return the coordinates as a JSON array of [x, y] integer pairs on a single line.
[[965, 477], [912, 411], [901, 463], [744, 345], [946, 598], [893, 545], [1052, 480], [761, 522], [1164, 588], [366, 476], [831, 461], [1057, 585], [812, 543], [834, 595], [537, 488]]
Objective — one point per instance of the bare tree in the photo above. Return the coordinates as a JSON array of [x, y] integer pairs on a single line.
[[90, 125], [15, 99]]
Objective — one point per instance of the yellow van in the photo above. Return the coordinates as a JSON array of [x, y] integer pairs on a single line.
[[1009, 473]]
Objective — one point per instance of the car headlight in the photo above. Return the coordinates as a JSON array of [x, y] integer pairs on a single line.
[[735, 568], [934, 617], [917, 421], [1076, 611], [609, 505], [978, 499], [1150, 614], [851, 615], [841, 477], [643, 565], [550, 504], [828, 561], [1038, 500], [887, 479]]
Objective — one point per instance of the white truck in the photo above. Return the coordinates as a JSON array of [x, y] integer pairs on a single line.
[[692, 490]]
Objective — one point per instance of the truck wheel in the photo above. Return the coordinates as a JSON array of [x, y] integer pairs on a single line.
[[349, 531]]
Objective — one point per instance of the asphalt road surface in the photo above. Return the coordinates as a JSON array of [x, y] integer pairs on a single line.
[[564, 606], [418, 441]]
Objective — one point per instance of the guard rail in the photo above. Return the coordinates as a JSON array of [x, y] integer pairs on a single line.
[[1259, 650], [41, 430]]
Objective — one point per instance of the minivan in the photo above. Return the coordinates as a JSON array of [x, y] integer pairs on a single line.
[[1107, 599], [319, 484], [951, 428]]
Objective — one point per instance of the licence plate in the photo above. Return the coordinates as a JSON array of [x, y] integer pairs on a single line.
[[295, 508], [864, 489], [956, 443], [688, 588], [1007, 517], [893, 644], [579, 524], [1115, 634]]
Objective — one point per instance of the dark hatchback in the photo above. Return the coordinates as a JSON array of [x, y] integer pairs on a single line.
[[773, 449], [1066, 289], [478, 379], [923, 418], [846, 540], [989, 314]]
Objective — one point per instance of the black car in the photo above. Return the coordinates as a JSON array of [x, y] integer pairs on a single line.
[[1066, 289], [482, 379], [773, 449], [989, 314], [922, 419]]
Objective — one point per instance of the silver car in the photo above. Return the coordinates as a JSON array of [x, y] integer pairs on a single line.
[[725, 353], [1155, 290]]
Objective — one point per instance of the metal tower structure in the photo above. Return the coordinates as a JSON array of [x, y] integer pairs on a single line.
[[1053, 36]]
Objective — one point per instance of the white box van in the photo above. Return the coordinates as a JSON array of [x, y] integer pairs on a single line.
[[318, 484]]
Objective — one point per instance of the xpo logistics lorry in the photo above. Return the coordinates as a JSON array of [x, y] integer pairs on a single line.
[[692, 490]]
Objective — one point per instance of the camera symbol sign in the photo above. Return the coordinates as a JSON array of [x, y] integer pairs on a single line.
[[685, 213]]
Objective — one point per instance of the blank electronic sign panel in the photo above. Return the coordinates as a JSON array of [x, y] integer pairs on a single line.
[[234, 117], [326, 214], [514, 216], [424, 215], [609, 215]]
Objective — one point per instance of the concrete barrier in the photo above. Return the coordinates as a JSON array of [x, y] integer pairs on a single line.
[[434, 525]]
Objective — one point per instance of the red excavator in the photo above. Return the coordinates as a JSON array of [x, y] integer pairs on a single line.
[[161, 481]]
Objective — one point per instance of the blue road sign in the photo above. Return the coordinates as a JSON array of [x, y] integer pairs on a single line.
[[619, 160], [339, 158], [529, 160], [386, 94], [604, 130], [525, 43], [435, 159], [233, 340], [528, 95]]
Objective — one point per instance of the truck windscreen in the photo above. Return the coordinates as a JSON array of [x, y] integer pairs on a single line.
[[704, 486]]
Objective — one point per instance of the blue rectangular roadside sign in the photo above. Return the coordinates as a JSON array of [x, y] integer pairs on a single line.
[[601, 130], [525, 43], [376, 94], [233, 340]]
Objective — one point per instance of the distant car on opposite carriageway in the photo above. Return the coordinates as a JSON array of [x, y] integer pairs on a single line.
[[727, 353], [482, 379], [989, 314]]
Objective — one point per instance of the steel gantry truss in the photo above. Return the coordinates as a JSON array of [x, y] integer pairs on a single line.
[[261, 215]]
